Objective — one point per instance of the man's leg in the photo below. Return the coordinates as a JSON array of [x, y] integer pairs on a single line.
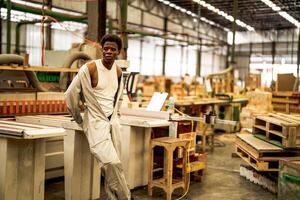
[[115, 183]]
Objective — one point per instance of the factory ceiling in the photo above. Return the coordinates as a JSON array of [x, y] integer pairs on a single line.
[[258, 14]]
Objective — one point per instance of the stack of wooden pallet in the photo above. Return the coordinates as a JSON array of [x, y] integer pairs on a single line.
[[288, 102], [274, 137]]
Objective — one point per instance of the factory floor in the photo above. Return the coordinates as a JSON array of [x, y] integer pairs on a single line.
[[221, 181]]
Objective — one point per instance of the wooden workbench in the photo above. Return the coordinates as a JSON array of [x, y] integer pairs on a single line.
[[22, 155], [135, 137], [82, 172]]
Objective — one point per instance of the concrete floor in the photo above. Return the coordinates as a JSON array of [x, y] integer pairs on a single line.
[[221, 181]]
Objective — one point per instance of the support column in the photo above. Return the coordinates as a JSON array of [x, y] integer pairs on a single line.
[[250, 54], [96, 11], [199, 58], [165, 46], [235, 10], [48, 45], [8, 27], [298, 61], [273, 58], [123, 27], [1, 5], [141, 42]]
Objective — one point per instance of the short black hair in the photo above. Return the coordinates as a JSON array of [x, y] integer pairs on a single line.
[[112, 38]]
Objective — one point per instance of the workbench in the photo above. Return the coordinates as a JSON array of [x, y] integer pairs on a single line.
[[135, 138], [22, 155], [81, 170]]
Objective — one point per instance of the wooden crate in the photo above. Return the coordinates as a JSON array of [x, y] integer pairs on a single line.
[[278, 130], [259, 154], [289, 179]]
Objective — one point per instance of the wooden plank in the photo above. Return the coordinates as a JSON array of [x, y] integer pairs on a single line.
[[39, 69], [257, 143]]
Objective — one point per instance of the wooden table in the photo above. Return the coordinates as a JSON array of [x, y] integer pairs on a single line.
[[22, 155], [82, 172]]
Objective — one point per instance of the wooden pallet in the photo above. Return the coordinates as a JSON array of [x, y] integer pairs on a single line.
[[259, 165], [259, 154], [286, 102], [278, 130]]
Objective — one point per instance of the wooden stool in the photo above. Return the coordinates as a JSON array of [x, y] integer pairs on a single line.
[[167, 183]]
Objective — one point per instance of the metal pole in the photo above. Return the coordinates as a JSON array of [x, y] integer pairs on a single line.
[[123, 27], [199, 57], [235, 10], [292, 54], [141, 43], [8, 26], [164, 47], [298, 61], [273, 58], [1, 4], [48, 29]]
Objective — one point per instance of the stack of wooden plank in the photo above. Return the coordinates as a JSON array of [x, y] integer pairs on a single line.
[[288, 102]]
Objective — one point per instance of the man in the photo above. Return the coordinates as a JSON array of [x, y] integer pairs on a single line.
[[99, 84]]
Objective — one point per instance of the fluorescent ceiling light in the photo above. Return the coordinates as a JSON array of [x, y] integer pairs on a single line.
[[223, 14], [282, 13], [188, 12]]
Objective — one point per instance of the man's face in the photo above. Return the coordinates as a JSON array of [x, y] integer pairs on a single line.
[[110, 51]]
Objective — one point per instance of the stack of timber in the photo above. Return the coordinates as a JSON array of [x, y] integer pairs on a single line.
[[287, 102], [258, 103]]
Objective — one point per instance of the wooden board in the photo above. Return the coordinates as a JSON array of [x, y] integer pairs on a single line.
[[257, 143]]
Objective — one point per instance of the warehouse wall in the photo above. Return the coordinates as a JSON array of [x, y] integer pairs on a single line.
[[286, 44], [144, 53]]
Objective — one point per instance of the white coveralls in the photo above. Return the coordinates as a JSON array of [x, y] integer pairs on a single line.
[[103, 134]]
